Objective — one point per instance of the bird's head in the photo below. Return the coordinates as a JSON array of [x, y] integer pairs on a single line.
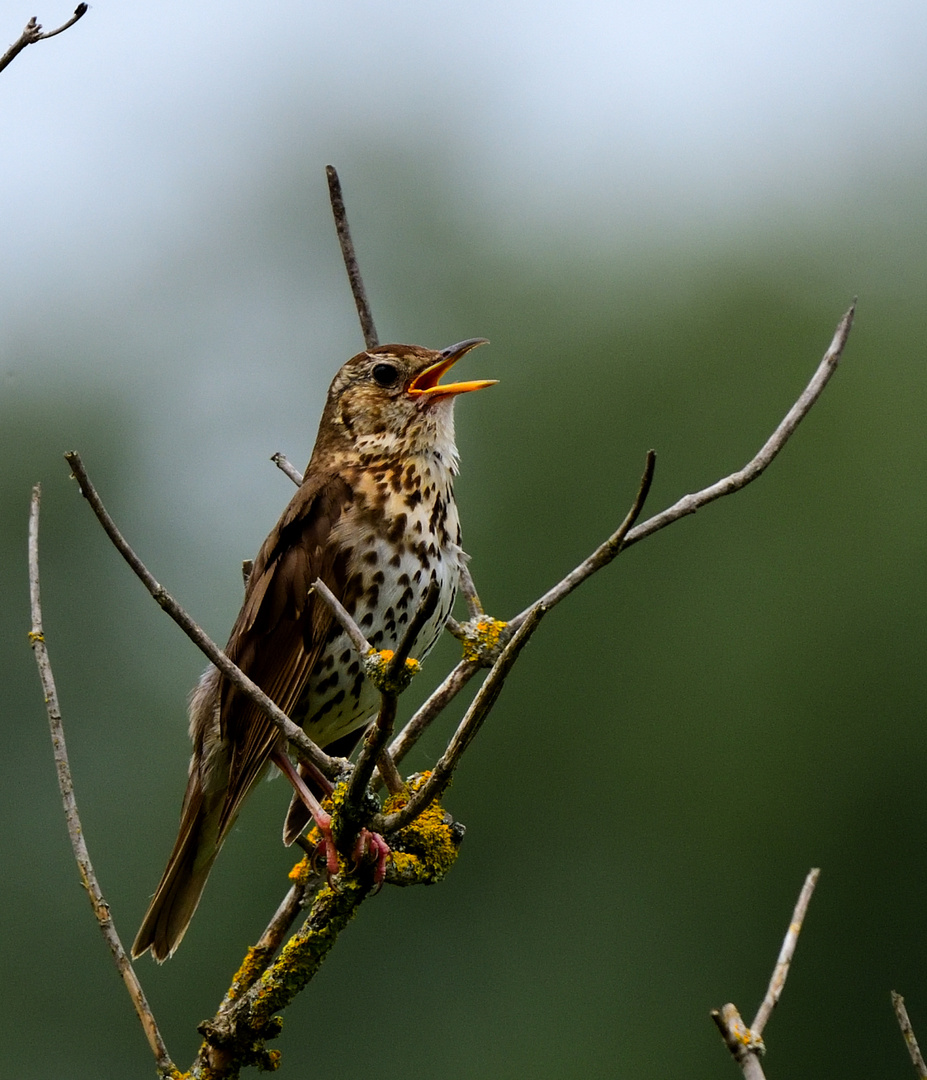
[[389, 402]]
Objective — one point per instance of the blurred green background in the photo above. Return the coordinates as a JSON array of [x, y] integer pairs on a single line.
[[734, 701]]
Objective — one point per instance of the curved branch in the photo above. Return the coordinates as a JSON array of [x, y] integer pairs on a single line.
[[33, 33]]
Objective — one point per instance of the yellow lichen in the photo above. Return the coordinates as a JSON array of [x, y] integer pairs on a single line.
[[246, 974], [483, 639], [377, 669], [424, 851]]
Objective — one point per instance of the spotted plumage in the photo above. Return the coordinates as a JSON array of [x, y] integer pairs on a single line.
[[375, 518]]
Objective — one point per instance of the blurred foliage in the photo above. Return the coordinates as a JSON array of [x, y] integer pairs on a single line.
[[734, 701]]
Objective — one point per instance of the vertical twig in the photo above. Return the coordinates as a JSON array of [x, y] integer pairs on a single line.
[[65, 783], [350, 259]]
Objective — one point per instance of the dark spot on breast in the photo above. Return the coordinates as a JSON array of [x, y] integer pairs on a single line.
[[403, 601], [397, 528], [371, 557], [327, 707], [327, 684]]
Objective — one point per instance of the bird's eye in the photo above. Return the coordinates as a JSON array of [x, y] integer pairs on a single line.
[[385, 374]]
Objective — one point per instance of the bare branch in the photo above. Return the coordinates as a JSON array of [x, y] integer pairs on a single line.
[[480, 707], [350, 259], [75, 829], [781, 971], [350, 627], [33, 33], [688, 504], [295, 735], [907, 1031]]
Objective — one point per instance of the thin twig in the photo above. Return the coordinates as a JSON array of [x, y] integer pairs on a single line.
[[75, 829], [294, 734], [350, 627], [781, 971], [469, 593], [282, 463], [688, 504], [33, 33], [904, 1022], [395, 681], [350, 259]]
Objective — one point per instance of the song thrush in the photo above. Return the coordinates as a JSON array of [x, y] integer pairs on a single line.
[[375, 518]]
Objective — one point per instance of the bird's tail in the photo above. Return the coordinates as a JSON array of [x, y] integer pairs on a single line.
[[181, 886], [201, 833]]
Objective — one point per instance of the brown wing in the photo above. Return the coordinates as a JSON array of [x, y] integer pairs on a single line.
[[281, 628]]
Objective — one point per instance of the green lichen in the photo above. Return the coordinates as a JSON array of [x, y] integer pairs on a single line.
[[303, 954]]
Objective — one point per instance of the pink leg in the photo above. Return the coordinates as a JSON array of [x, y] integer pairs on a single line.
[[321, 817]]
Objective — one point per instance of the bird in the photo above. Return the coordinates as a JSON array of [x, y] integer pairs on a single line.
[[375, 518]]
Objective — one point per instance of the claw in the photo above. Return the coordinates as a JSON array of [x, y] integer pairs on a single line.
[[371, 845]]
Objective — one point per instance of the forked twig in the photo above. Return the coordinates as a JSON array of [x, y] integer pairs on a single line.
[[294, 734], [746, 1043], [75, 830], [904, 1022], [350, 259], [688, 504], [33, 33]]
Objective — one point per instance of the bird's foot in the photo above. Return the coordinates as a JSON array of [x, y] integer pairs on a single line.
[[372, 846]]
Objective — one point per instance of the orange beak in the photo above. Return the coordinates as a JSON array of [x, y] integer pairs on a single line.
[[426, 382]]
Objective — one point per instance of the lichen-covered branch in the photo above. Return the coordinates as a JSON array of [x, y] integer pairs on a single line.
[[237, 1035]]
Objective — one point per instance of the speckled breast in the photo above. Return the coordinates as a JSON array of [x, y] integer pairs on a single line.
[[400, 534]]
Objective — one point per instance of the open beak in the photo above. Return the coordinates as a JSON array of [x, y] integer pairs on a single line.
[[426, 382]]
